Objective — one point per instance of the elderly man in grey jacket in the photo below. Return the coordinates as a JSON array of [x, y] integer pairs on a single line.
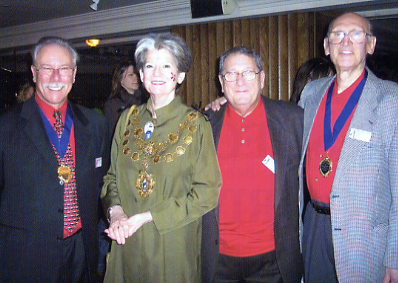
[[350, 164]]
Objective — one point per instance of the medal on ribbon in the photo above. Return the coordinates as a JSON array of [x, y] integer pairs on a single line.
[[64, 174], [325, 166], [329, 136], [60, 144]]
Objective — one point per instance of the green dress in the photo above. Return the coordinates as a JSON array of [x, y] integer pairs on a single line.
[[183, 173]]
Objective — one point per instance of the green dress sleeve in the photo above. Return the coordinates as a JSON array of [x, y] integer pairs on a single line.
[[109, 193]]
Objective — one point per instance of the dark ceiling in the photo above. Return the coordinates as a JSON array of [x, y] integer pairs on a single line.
[[19, 12]]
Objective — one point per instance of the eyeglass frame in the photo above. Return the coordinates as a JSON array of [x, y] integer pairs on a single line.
[[47, 68], [348, 34], [243, 76]]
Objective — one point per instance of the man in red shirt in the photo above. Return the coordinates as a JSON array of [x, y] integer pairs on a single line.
[[53, 155], [253, 236]]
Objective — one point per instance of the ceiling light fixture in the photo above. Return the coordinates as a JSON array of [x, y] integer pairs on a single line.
[[94, 5], [93, 42]]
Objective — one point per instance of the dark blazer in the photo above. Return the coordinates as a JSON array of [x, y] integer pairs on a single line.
[[31, 198], [285, 123]]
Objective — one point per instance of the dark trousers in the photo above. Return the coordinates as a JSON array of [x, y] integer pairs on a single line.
[[103, 244], [74, 266], [319, 265], [259, 268]]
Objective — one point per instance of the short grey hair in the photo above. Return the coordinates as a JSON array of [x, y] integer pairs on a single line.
[[240, 50], [54, 40], [169, 41]]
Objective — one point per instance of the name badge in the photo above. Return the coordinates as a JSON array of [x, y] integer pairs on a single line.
[[360, 135], [148, 129], [98, 162], [269, 163]]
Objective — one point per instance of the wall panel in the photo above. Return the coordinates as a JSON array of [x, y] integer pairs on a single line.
[[196, 63], [283, 42], [264, 52], [212, 64], [273, 60], [283, 56], [255, 35], [292, 48], [204, 65]]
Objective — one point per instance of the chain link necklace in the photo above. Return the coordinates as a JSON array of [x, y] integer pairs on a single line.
[[150, 151]]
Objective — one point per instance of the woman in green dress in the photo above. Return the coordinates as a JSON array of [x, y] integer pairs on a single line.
[[163, 177]]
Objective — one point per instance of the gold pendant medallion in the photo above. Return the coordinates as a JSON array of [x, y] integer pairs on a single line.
[[144, 183], [325, 166], [64, 173]]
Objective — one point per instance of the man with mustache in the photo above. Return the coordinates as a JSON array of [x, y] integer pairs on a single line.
[[53, 155]]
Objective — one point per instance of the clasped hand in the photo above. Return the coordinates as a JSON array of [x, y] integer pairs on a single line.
[[121, 227], [391, 276]]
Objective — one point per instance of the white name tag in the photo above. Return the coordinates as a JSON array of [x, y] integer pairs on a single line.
[[360, 135], [269, 163], [98, 162]]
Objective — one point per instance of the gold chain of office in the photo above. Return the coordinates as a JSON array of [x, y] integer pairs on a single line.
[[152, 151]]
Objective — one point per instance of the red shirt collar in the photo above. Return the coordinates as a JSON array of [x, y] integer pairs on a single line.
[[253, 118], [49, 110]]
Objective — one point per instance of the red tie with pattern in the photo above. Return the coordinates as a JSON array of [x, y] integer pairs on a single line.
[[71, 208]]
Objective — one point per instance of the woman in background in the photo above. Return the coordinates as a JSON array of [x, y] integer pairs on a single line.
[[125, 92], [163, 177], [313, 69]]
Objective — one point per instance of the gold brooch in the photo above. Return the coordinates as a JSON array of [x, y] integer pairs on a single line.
[[144, 184]]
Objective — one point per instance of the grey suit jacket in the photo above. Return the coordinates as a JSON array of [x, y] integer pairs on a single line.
[[364, 195], [285, 129]]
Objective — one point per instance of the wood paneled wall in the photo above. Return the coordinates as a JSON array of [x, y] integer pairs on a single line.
[[283, 42]]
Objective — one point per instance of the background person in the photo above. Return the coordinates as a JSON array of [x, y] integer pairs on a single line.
[[125, 93], [163, 177], [25, 92], [313, 69], [349, 163]]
